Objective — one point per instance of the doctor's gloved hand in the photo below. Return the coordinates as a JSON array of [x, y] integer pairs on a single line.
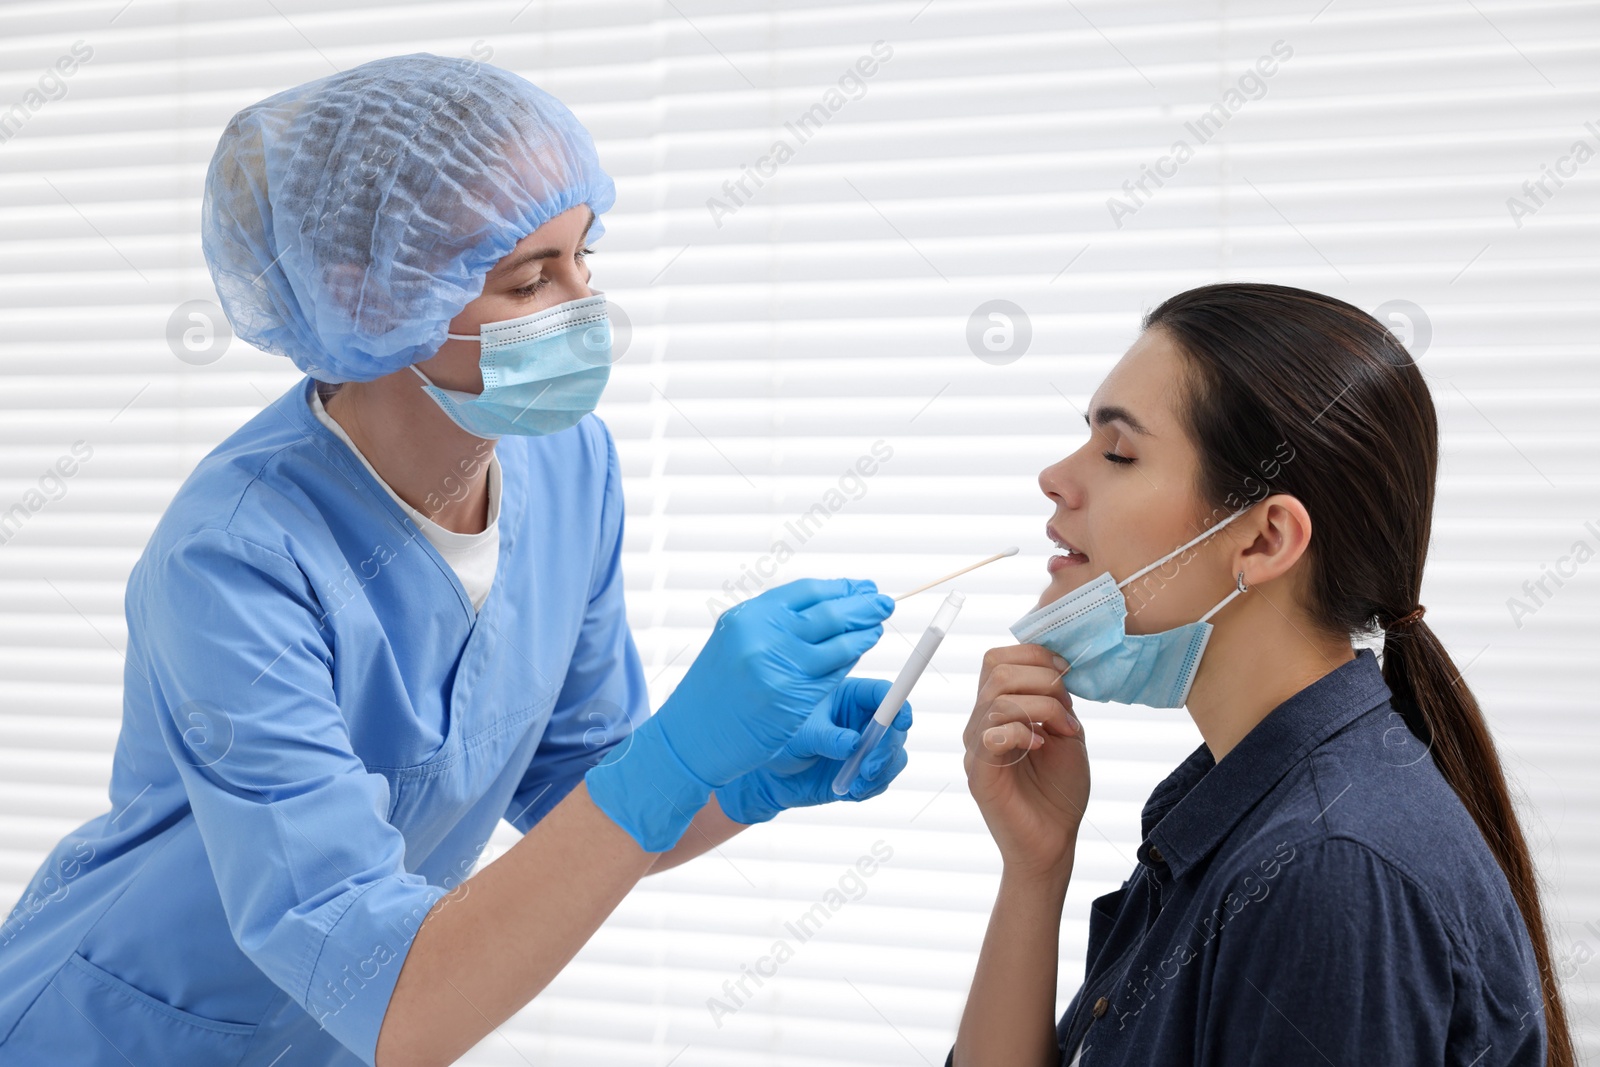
[[769, 662], [802, 773]]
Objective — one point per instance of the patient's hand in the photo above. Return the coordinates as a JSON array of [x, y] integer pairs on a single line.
[[1026, 762]]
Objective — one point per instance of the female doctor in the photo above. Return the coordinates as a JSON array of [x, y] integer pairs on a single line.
[[387, 612]]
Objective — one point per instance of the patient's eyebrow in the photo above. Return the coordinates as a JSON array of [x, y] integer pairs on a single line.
[[1113, 413]]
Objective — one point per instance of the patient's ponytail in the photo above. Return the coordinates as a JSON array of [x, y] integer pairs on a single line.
[[1441, 710], [1295, 392]]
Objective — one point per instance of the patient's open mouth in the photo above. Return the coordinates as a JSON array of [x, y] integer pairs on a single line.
[[1070, 556]]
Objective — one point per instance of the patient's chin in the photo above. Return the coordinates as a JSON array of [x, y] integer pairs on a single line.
[[1062, 584]]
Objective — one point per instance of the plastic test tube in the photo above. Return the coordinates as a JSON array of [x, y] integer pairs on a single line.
[[920, 657]]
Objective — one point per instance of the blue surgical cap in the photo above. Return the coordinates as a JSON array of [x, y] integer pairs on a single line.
[[348, 220]]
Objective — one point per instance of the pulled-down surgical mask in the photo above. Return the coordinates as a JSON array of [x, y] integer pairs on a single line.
[[1087, 628], [541, 372]]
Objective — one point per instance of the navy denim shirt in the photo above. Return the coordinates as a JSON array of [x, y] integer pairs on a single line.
[[1321, 896]]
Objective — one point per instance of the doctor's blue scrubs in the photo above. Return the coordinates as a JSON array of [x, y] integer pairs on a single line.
[[318, 736]]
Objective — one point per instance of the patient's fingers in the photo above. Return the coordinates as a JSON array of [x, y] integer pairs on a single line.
[[1019, 678], [1020, 656], [1053, 716], [1011, 737]]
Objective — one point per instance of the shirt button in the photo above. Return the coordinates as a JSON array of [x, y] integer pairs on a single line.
[[1100, 1007], [1155, 855]]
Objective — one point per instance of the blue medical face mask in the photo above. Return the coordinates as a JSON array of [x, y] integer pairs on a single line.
[[1087, 628], [541, 373]]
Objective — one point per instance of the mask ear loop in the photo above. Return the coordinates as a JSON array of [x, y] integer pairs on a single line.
[[1241, 588], [1142, 571]]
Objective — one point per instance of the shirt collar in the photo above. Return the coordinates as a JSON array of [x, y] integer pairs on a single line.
[[1200, 802]]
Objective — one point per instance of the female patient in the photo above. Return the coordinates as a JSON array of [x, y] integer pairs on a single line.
[[1336, 875]]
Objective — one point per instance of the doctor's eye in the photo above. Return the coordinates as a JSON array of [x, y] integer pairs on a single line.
[[1114, 458], [529, 290], [583, 253]]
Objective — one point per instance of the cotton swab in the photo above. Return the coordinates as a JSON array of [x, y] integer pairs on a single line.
[[1012, 551]]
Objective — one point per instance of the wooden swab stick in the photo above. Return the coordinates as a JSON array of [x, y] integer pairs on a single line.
[[1012, 551]]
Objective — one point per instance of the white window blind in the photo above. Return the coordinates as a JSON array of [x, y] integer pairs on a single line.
[[817, 206]]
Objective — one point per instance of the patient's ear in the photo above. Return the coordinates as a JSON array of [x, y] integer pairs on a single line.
[[1277, 532]]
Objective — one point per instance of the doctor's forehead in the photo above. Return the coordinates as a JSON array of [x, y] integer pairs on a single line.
[[1142, 392], [555, 238]]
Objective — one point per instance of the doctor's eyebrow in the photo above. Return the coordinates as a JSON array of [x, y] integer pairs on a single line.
[[543, 253], [1113, 413]]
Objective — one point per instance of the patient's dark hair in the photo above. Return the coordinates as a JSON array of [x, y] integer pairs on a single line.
[[1271, 366]]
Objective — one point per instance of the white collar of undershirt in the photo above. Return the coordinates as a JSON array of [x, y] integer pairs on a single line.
[[436, 533]]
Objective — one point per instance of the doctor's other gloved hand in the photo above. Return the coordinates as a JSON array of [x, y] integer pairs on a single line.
[[802, 773], [768, 663]]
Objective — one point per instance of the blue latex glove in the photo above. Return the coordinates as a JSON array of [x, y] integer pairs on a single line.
[[802, 773], [769, 662]]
